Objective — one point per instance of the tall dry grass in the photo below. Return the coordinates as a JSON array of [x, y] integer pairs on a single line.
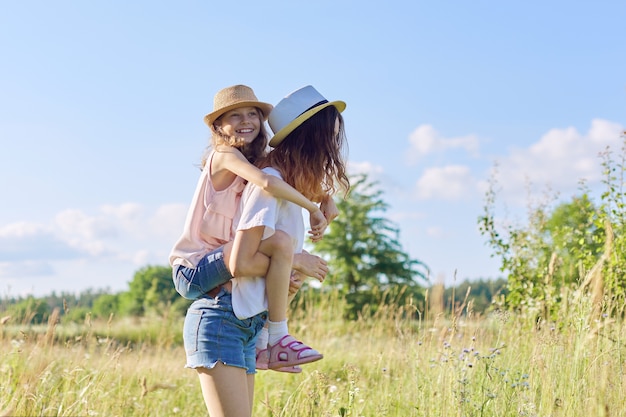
[[393, 363]]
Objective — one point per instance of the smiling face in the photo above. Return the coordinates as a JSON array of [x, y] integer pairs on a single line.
[[244, 122]]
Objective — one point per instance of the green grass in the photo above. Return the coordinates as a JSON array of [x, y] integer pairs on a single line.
[[385, 365]]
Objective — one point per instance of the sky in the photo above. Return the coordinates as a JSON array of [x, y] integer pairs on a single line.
[[101, 107]]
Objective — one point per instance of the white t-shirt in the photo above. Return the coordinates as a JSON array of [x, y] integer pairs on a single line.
[[259, 208]]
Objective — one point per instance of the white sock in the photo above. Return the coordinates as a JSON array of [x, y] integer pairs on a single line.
[[276, 330], [261, 341]]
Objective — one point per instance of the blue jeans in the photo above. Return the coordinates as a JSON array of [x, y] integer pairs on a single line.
[[210, 272], [212, 333]]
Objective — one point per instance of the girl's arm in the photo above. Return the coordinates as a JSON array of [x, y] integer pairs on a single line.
[[310, 265], [295, 283], [329, 208], [305, 265], [235, 162]]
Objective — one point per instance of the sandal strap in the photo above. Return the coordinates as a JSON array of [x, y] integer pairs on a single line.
[[297, 346]]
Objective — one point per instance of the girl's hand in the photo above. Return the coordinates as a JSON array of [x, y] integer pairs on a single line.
[[310, 265], [295, 283], [318, 225], [329, 208]]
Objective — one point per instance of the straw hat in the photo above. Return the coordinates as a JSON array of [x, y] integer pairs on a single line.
[[295, 109], [233, 97]]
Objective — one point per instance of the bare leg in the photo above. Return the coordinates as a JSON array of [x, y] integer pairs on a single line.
[[284, 349], [279, 248], [224, 387], [271, 258], [255, 265]]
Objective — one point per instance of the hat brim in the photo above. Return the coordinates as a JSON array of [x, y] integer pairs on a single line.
[[266, 108], [282, 133]]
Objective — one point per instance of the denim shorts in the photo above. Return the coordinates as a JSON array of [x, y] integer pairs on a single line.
[[210, 272], [212, 333]]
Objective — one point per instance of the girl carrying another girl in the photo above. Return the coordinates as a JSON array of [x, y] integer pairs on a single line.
[[200, 257], [221, 330]]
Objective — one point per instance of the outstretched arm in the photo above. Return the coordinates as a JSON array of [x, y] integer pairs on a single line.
[[235, 162]]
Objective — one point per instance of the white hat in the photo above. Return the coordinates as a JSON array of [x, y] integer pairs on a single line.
[[295, 109]]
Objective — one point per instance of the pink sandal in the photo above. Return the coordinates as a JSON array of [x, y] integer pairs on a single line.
[[289, 352], [262, 361]]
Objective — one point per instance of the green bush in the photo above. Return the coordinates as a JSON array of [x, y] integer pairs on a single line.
[[565, 252]]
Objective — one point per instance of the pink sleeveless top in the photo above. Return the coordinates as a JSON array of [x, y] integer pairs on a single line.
[[209, 222]]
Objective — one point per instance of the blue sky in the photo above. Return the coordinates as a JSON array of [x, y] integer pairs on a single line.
[[101, 106]]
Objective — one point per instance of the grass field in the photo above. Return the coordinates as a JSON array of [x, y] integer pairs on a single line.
[[391, 364]]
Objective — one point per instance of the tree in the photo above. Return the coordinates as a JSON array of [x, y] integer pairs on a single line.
[[362, 248], [106, 304], [151, 289], [575, 238], [554, 250], [30, 310], [482, 293]]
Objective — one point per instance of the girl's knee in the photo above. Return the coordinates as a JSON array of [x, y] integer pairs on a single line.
[[278, 246], [281, 241]]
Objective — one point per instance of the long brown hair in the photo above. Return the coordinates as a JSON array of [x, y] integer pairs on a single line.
[[253, 151], [311, 158]]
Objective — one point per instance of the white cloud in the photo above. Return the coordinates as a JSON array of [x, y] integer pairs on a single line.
[[375, 175], [168, 221], [451, 182], [426, 140], [561, 158], [355, 168], [78, 225], [406, 216], [32, 242], [124, 233]]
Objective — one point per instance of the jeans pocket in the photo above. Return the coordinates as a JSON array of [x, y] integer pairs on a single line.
[[191, 330]]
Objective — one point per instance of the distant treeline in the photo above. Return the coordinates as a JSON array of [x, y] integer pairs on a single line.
[[100, 303]]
